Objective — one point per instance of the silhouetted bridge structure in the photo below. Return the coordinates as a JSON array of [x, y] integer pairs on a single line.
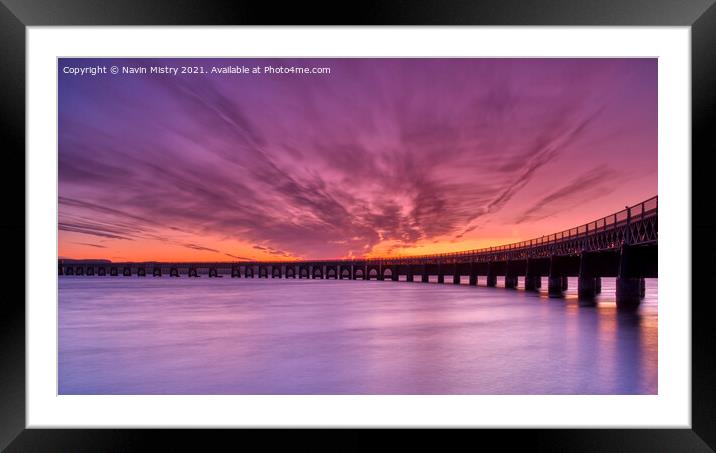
[[622, 245]]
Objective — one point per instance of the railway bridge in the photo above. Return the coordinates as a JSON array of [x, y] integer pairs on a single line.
[[622, 245]]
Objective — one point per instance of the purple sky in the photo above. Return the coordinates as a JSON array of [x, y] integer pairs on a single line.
[[399, 156]]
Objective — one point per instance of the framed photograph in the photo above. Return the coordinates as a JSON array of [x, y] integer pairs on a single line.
[[413, 218]]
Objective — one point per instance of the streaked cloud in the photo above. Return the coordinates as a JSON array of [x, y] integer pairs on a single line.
[[394, 152]]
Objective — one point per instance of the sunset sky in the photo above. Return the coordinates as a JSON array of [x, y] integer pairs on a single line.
[[379, 157]]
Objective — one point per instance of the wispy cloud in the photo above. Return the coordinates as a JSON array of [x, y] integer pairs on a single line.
[[90, 245], [594, 183], [237, 257], [200, 248]]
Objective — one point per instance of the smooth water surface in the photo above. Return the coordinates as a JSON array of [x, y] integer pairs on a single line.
[[131, 335]]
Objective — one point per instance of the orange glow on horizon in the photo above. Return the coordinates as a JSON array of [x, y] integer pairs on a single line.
[[71, 246]]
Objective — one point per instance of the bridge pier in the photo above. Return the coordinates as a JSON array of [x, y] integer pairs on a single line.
[[533, 282], [629, 292], [213, 272], [80, 270], [193, 272], [235, 272], [491, 275], [409, 276], [456, 278], [598, 285], [555, 286], [473, 275], [90, 270], [441, 278], [586, 288], [586, 282], [630, 288], [395, 275], [491, 279], [113, 272], [556, 283], [174, 272], [101, 272], [511, 281]]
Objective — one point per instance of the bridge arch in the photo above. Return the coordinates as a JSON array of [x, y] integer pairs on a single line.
[[317, 272], [263, 272], [303, 272], [290, 272], [331, 272]]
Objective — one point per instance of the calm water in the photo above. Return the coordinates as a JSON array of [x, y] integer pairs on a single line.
[[122, 335]]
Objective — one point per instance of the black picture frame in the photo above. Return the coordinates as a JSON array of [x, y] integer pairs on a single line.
[[16, 15]]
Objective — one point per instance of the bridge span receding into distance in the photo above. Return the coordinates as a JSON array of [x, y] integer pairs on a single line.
[[622, 245]]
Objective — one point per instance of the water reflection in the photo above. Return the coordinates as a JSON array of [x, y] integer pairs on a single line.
[[228, 336]]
